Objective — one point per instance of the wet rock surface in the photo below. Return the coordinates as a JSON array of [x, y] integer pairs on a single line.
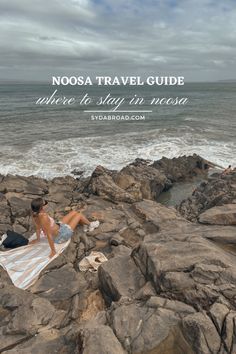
[[169, 285]]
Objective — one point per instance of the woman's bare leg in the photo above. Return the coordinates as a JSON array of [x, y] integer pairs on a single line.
[[73, 219], [83, 220], [66, 219]]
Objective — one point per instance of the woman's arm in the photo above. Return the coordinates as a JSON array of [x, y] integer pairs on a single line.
[[45, 222]]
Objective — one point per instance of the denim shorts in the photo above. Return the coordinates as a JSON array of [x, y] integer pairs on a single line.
[[64, 234]]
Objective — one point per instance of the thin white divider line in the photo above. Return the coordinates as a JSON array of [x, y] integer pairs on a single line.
[[119, 111]]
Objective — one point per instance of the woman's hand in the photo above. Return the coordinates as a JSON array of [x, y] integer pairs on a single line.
[[33, 241], [52, 254]]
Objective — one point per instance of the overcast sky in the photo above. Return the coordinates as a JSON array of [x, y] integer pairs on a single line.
[[41, 38]]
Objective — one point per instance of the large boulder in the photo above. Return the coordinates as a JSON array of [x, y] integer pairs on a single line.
[[23, 315], [183, 167], [48, 341], [32, 186], [179, 257], [214, 192], [143, 329], [186, 267], [200, 331], [102, 184], [120, 277], [222, 236], [60, 285], [19, 206], [99, 339], [142, 180], [219, 215]]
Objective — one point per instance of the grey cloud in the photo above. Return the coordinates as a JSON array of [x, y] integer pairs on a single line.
[[182, 37]]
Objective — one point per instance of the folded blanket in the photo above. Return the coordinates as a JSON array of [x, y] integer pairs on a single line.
[[25, 263]]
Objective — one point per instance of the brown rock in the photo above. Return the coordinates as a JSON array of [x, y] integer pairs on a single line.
[[19, 206], [49, 341], [219, 215], [60, 285], [201, 333], [147, 330], [119, 277], [102, 184], [100, 340], [182, 167]]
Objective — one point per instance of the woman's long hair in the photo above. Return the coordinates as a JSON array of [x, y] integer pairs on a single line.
[[37, 205]]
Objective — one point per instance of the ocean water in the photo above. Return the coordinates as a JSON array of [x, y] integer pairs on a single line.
[[51, 141]]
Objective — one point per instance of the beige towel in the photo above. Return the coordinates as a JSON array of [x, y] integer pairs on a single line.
[[24, 264], [92, 262]]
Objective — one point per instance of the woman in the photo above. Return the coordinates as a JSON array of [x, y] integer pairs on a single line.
[[57, 232]]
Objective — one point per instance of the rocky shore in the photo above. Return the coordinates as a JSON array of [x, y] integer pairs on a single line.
[[169, 285]]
